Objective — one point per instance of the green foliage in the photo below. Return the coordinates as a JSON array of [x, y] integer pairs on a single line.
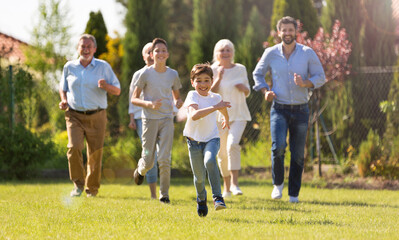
[[369, 151], [144, 21], [113, 56], [179, 19], [391, 108], [338, 116], [123, 154], [24, 91], [96, 27], [250, 46], [180, 157], [50, 45], [22, 152], [209, 26], [298, 9], [59, 159]]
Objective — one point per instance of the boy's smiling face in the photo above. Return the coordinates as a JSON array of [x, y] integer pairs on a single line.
[[202, 84], [160, 53]]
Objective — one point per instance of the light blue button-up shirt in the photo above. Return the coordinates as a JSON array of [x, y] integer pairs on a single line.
[[81, 84], [303, 61]]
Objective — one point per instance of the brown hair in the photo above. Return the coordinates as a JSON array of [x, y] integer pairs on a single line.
[[199, 69], [287, 20], [156, 41]]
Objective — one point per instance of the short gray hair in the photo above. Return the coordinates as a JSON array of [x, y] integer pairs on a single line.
[[89, 36]]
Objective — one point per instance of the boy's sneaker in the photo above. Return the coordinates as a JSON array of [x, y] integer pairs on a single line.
[[219, 203], [294, 199], [76, 192], [138, 179], [202, 208], [164, 200], [235, 190], [277, 192]]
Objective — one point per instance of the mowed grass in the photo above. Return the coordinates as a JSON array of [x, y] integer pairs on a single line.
[[122, 210]]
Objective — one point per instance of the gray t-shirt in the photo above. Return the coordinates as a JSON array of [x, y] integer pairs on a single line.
[[157, 85]]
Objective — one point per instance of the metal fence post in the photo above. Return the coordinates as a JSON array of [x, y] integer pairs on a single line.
[[10, 82]]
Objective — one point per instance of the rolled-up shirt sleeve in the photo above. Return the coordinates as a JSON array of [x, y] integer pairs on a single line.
[[260, 71], [63, 82], [316, 72]]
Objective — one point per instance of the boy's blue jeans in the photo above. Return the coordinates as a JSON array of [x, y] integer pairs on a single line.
[[294, 119], [203, 160], [152, 175]]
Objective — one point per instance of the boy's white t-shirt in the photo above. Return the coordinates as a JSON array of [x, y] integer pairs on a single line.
[[203, 129]]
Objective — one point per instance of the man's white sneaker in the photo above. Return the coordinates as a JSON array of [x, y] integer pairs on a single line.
[[294, 199], [235, 190], [226, 194], [277, 192]]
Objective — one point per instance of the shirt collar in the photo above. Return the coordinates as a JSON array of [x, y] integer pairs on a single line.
[[280, 48], [92, 62]]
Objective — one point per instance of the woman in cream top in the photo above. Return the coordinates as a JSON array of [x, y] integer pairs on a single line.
[[231, 82]]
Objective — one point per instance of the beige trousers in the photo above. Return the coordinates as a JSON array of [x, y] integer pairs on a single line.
[[92, 127], [157, 132]]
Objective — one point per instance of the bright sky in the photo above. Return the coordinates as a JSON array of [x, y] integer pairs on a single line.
[[18, 17]]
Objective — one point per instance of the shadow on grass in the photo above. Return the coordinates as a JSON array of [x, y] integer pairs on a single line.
[[349, 203], [288, 220]]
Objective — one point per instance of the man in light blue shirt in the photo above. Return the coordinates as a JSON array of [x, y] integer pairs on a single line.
[[84, 85], [294, 69]]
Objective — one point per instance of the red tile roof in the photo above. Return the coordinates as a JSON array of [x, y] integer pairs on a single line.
[[11, 48]]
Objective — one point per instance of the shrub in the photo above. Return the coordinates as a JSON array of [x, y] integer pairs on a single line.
[[369, 152], [22, 152], [180, 157], [124, 154]]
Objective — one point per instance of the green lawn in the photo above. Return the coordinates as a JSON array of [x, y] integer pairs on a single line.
[[44, 210]]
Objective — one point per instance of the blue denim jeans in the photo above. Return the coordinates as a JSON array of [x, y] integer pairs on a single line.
[[152, 175], [292, 119], [203, 160]]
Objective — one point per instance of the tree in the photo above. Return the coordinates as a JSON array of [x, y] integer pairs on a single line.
[[298, 9], [248, 51], [209, 26], [51, 39], [144, 21], [113, 56], [179, 19], [96, 27], [379, 36]]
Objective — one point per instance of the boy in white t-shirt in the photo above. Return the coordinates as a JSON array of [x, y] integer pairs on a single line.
[[203, 136]]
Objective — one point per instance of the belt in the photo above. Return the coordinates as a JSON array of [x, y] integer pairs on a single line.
[[291, 107], [89, 112]]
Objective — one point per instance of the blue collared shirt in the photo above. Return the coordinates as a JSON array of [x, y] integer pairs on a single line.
[[81, 84], [303, 61]]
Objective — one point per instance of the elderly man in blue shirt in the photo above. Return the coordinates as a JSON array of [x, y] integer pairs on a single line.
[[294, 69], [84, 85]]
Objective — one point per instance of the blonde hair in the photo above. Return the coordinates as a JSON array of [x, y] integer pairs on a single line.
[[219, 45]]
